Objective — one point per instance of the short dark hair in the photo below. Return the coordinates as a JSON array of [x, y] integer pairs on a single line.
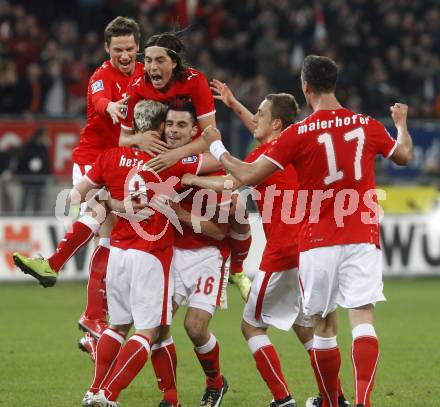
[[175, 48], [320, 72], [284, 107], [120, 27], [182, 104]]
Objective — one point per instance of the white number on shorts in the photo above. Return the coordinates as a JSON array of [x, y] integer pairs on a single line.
[[333, 173]]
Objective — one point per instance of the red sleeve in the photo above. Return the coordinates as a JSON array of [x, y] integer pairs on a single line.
[[384, 143], [201, 96], [133, 98], [96, 174], [100, 89], [282, 149]]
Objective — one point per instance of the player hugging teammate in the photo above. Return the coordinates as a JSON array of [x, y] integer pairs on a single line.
[[332, 259]]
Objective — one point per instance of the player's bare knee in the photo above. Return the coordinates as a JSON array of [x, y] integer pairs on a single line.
[[121, 329], [197, 329], [164, 333], [250, 331], [325, 327], [303, 333]]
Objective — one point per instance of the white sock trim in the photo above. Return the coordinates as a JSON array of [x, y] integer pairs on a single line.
[[239, 236], [114, 335], [324, 343], [208, 346], [105, 242], [363, 330], [308, 345], [142, 341], [257, 342], [90, 222], [163, 344]]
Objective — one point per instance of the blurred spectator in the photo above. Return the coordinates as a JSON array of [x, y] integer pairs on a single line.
[[32, 170]]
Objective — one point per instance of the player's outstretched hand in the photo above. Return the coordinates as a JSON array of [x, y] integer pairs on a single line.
[[152, 143], [211, 134], [399, 112], [117, 110], [222, 92], [164, 160]]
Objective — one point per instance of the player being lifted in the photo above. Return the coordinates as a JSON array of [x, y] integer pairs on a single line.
[[275, 296], [333, 152], [106, 96]]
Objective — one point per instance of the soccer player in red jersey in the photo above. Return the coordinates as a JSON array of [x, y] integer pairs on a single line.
[[166, 78], [333, 152], [280, 257], [105, 105], [138, 282]]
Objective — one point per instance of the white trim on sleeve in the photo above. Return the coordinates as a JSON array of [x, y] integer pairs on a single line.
[[392, 149], [123, 126], [89, 180], [272, 161], [203, 115], [199, 167]]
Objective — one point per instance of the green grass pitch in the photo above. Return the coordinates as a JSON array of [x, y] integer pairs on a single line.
[[40, 365]]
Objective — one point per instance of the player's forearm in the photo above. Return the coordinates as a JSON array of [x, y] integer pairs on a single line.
[[239, 169], [206, 227], [405, 140], [217, 183], [127, 139], [195, 147], [243, 114]]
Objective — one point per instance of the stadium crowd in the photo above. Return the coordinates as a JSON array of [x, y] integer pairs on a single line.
[[48, 52]]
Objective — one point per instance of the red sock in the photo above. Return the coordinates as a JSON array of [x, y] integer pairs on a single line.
[[164, 360], [239, 244], [107, 350], [269, 366], [96, 303], [208, 356], [326, 361], [79, 235], [340, 389], [365, 355], [129, 362]]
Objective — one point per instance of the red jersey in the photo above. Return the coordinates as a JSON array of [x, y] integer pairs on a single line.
[[194, 86], [123, 171], [333, 152], [107, 84], [190, 240], [281, 250]]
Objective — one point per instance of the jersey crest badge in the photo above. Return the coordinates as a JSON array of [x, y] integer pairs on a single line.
[[189, 160], [97, 86]]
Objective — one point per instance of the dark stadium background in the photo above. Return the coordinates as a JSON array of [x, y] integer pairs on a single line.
[[387, 51]]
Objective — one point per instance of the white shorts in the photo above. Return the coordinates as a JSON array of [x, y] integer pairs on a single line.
[[139, 288], [78, 171], [275, 300], [199, 278], [346, 275]]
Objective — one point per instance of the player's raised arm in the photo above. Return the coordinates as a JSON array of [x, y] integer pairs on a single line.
[[403, 153], [223, 92], [247, 173]]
